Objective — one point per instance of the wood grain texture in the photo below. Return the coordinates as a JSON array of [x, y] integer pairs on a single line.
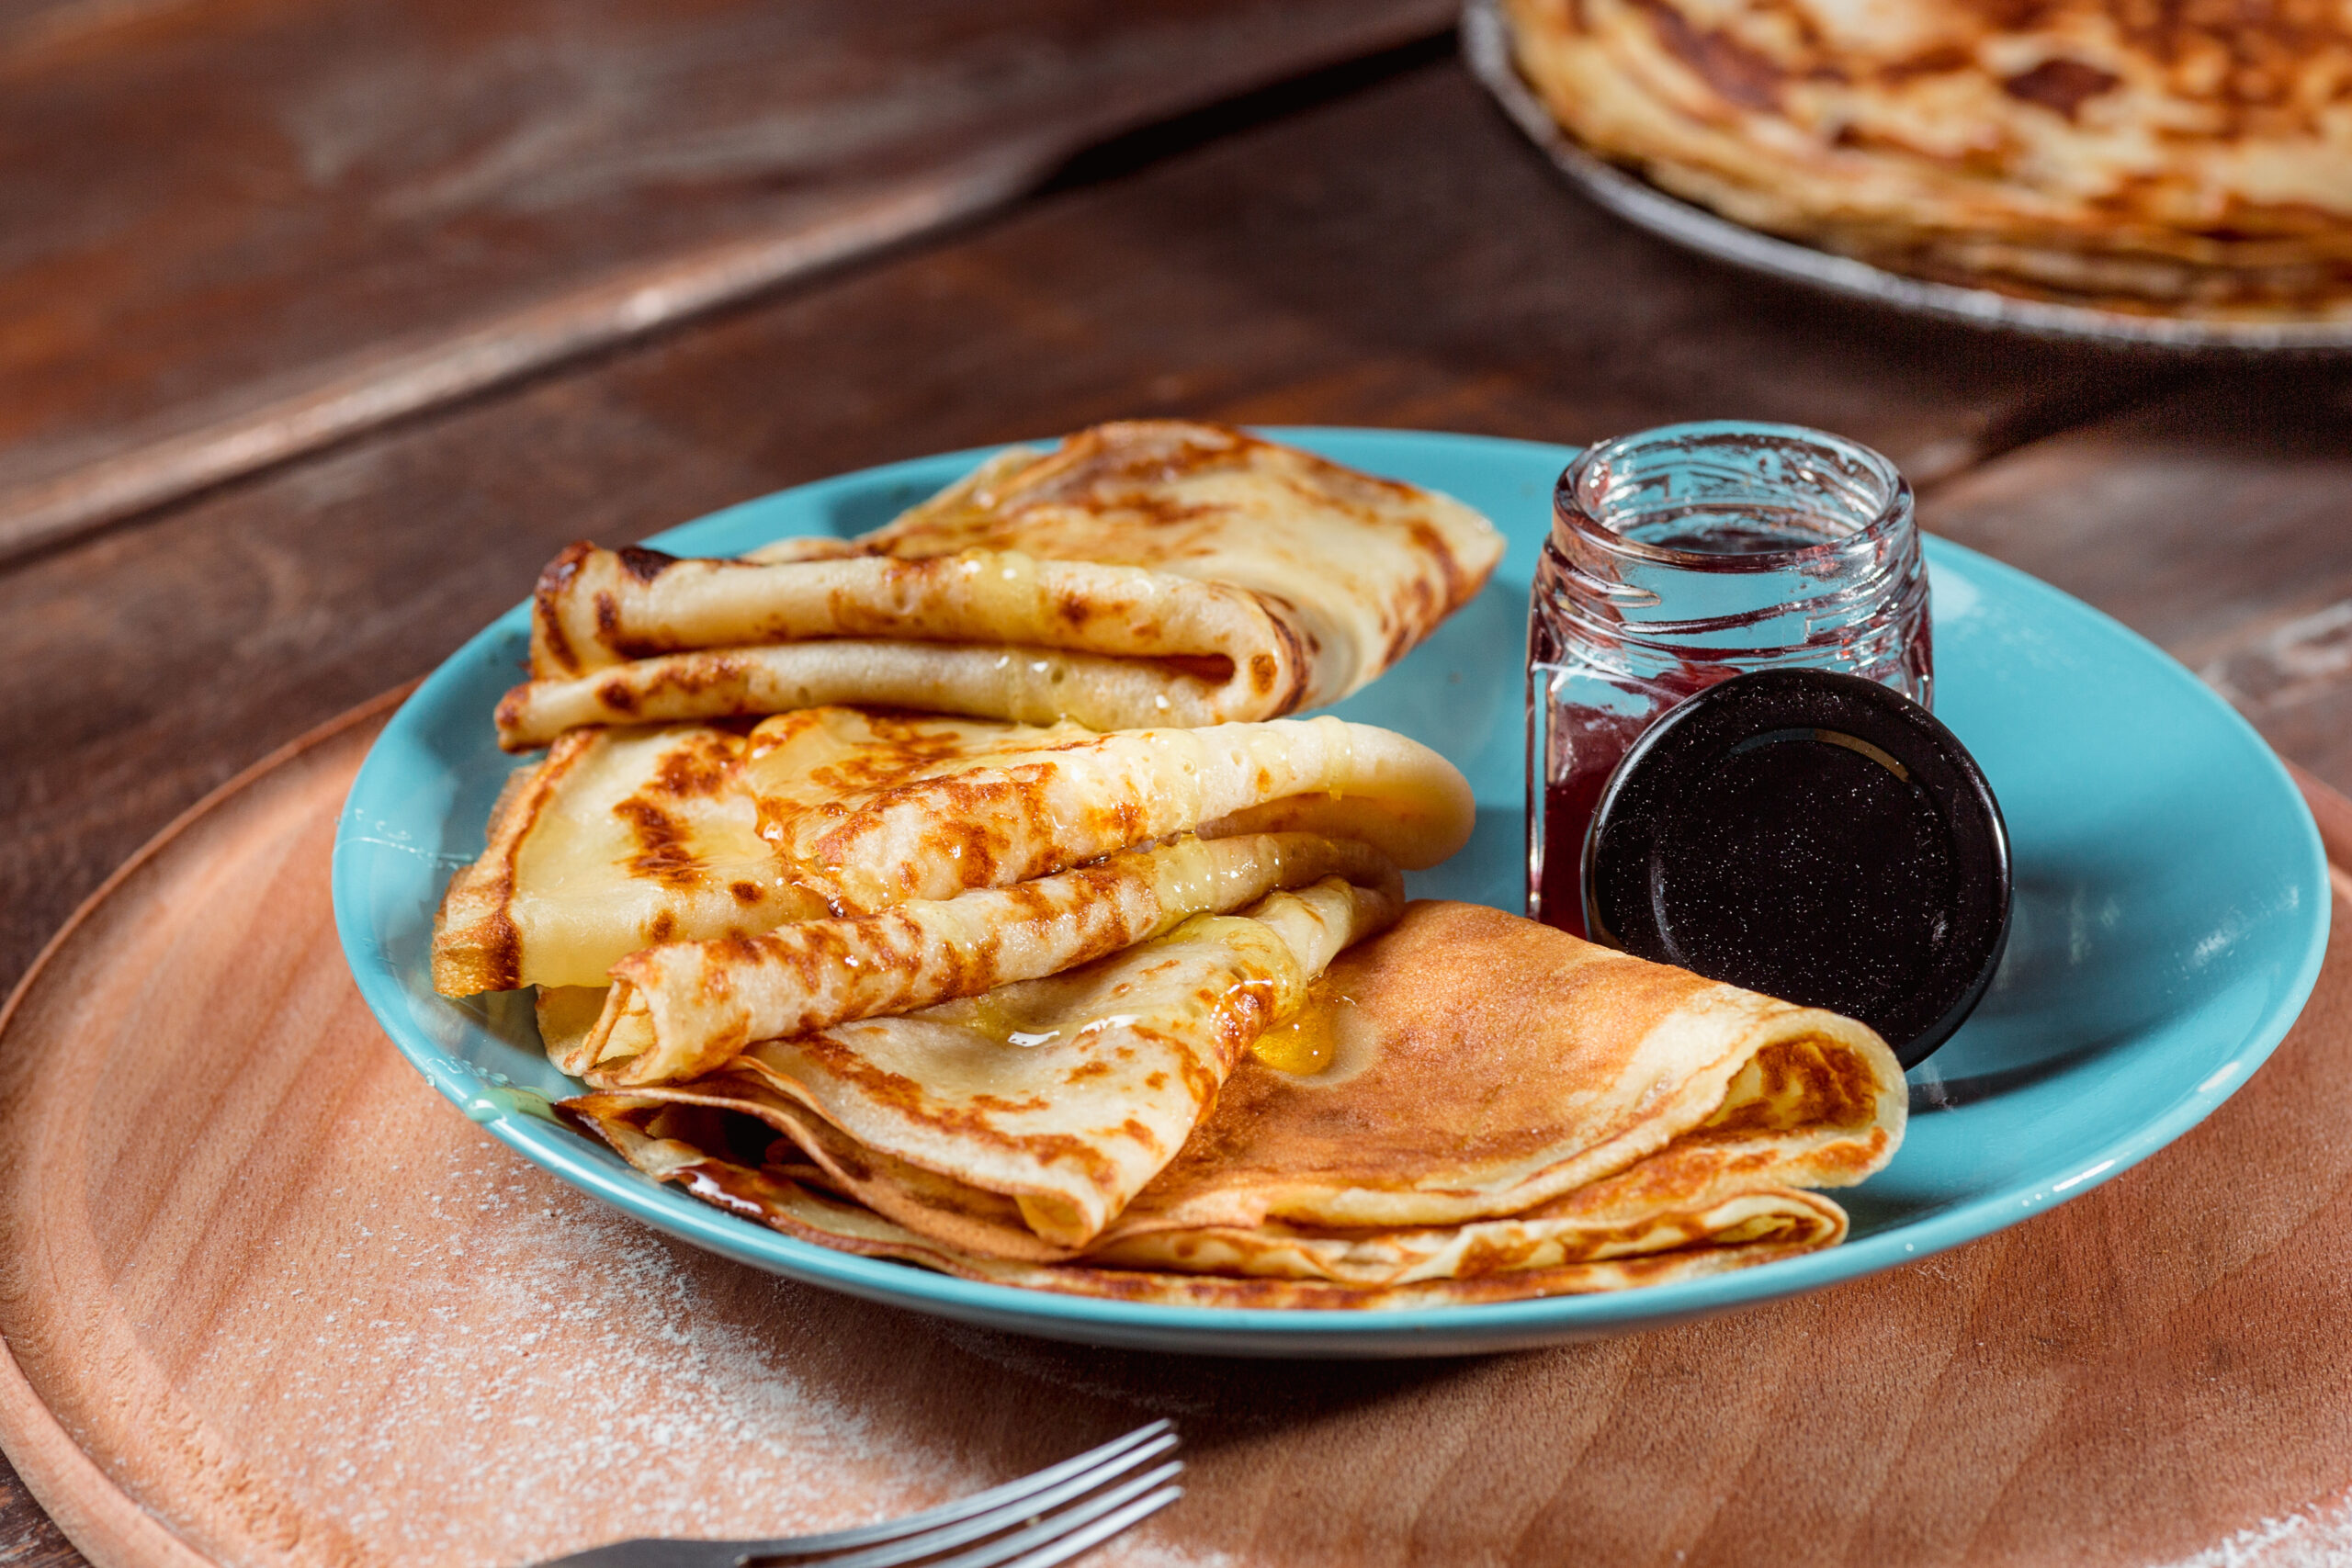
[[278, 1291], [1398, 258], [241, 229], [2218, 522]]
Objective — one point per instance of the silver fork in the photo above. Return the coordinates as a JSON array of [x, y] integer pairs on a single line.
[[1036, 1521]]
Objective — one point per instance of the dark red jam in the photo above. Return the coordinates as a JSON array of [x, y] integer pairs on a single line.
[[1680, 557], [1600, 741]]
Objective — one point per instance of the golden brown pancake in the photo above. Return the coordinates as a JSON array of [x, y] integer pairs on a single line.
[[1605, 1246], [681, 1009], [2192, 160], [1042, 1108], [1152, 571], [869, 810], [620, 839], [627, 839], [1497, 1110]]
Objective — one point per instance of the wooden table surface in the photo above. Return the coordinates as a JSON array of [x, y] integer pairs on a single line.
[[324, 325]]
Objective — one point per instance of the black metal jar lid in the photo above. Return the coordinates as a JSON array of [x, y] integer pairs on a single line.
[[1814, 835]]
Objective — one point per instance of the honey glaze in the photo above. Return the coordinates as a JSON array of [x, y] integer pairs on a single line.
[[1029, 1015], [1327, 1035], [1301, 1047], [1251, 974]]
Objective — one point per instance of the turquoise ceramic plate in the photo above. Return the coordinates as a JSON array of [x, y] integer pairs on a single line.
[[2171, 912]]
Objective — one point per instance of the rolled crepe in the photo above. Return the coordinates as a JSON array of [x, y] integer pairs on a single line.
[[867, 810], [1145, 572], [1505, 1111], [1028, 1118], [683, 1008]]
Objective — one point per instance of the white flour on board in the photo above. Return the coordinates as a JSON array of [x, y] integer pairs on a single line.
[[502, 1365], [2320, 1537], [528, 1353]]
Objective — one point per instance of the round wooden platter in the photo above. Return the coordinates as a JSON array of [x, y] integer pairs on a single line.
[[271, 1301]]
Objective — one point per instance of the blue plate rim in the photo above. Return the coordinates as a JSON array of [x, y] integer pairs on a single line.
[[574, 1160]]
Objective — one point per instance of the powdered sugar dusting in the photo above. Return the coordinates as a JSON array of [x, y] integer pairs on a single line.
[[483, 1334], [1142, 1552], [471, 1364], [2316, 1537]]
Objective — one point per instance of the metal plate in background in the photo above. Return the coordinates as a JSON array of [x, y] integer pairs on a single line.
[[1486, 45]]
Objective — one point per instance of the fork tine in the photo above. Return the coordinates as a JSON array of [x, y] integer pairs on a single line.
[[1026, 1509], [1095, 1534], [939, 1528], [1124, 1503], [1011, 1492]]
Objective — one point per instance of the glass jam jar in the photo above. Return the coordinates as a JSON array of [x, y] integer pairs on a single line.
[[1685, 555]]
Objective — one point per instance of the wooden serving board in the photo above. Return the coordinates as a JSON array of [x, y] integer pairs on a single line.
[[271, 1301]]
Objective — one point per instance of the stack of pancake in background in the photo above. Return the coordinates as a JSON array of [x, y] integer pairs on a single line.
[[2179, 159], [959, 893]]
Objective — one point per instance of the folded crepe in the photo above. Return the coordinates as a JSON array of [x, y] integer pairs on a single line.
[[1152, 571], [626, 839], [1610, 1230], [867, 810], [1027, 1118], [681, 1009], [1497, 1111], [620, 839], [2169, 158]]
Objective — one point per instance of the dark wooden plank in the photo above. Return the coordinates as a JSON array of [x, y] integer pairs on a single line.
[[236, 231], [1397, 257], [27, 1534], [2218, 522]]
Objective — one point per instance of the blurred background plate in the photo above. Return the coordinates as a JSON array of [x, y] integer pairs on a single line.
[[1486, 45], [2171, 914]]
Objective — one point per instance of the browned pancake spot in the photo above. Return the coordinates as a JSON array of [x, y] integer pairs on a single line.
[[665, 852], [1737, 72], [1214, 669], [643, 564], [2061, 85], [547, 623], [694, 772]]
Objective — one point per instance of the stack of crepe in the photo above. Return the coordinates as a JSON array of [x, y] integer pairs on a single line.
[[894, 921], [2194, 161], [1470, 1107]]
